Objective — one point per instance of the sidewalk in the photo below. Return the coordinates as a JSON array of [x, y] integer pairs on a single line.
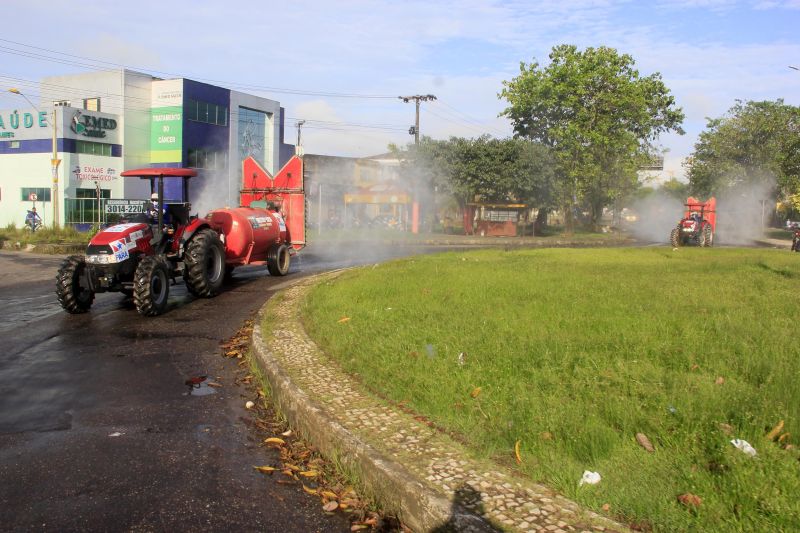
[[415, 471]]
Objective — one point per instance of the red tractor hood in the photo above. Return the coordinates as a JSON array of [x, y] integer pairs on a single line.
[[121, 239], [130, 232]]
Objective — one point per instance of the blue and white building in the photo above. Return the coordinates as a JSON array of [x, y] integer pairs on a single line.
[[105, 122]]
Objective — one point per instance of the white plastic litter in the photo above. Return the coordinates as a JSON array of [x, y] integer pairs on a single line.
[[590, 478], [744, 446], [115, 434]]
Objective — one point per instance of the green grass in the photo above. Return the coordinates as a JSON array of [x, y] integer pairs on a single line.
[[778, 233], [591, 347]]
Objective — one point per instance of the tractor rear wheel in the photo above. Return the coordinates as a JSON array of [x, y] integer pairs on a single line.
[[675, 238], [707, 238], [151, 286], [72, 296], [205, 264], [278, 260]]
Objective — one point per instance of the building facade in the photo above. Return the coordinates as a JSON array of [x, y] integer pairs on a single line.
[[98, 124]]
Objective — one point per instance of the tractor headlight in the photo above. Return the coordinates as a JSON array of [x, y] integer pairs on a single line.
[[101, 259]]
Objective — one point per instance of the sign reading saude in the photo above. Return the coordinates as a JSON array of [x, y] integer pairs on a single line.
[[90, 126]]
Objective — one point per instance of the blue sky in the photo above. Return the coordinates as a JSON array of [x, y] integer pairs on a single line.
[[709, 52]]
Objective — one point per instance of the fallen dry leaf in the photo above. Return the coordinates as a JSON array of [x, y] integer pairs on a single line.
[[274, 441], [546, 435], [644, 442], [606, 508], [516, 452], [784, 437], [690, 500], [475, 392], [310, 491], [726, 428], [330, 507], [719, 381], [358, 527], [287, 433], [265, 469], [695, 366], [328, 494], [343, 319], [775, 431], [309, 473]]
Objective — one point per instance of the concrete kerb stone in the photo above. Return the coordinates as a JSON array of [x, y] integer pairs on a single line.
[[414, 471], [417, 506]]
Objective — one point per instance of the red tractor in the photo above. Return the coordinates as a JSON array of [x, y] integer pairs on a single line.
[[698, 225], [139, 258]]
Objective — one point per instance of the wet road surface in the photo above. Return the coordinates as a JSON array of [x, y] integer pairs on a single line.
[[98, 430]]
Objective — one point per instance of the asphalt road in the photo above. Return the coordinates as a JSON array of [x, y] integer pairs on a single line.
[[98, 431]]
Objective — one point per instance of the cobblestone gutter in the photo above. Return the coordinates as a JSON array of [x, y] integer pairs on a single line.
[[420, 474]]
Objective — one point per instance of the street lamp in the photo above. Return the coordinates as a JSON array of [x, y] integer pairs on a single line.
[[54, 161]]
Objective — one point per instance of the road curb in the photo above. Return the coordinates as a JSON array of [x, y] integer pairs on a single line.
[[401, 493], [411, 468]]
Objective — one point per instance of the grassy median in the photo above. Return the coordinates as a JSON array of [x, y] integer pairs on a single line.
[[574, 352]]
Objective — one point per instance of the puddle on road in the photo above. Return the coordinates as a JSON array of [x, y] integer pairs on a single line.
[[200, 386]]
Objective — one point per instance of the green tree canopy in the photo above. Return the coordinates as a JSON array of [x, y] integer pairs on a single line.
[[494, 169], [597, 114], [753, 143]]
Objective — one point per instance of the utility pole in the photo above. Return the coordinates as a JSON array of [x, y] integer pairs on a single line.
[[54, 161], [417, 98], [298, 149], [415, 215]]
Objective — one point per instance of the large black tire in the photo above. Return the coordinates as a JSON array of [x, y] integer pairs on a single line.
[[707, 238], [205, 264], [675, 237], [278, 260], [73, 297], [151, 286], [795, 244]]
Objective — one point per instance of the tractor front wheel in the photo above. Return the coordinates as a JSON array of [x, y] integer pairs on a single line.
[[278, 260], [72, 296], [707, 238], [675, 238], [205, 264], [796, 244], [151, 286]]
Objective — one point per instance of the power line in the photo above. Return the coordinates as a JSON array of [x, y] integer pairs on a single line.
[[93, 64]]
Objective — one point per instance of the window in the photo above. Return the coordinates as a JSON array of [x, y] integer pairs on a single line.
[[91, 104], [255, 136], [93, 148], [13, 144], [92, 193], [208, 159], [500, 215], [206, 112], [42, 194]]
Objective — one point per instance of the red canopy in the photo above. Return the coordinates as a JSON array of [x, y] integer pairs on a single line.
[[169, 172]]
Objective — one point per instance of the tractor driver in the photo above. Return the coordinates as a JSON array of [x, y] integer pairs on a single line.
[[153, 211]]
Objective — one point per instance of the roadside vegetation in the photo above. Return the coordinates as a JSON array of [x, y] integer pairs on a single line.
[[44, 235], [572, 353]]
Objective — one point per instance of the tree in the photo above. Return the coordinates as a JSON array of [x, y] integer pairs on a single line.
[[754, 143], [598, 116], [498, 170], [676, 189]]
